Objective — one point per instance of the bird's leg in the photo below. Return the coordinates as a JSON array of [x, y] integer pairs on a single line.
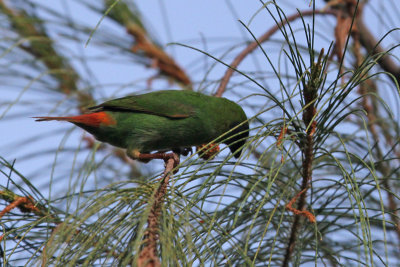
[[146, 157]]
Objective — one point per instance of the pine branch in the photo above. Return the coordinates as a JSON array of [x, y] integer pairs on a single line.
[[310, 94], [148, 255]]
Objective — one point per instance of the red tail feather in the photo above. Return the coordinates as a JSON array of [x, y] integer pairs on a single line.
[[92, 119]]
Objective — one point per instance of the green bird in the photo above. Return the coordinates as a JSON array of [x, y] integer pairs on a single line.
[[163, 121]]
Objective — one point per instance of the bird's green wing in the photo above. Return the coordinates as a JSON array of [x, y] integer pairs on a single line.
[[162, 103]]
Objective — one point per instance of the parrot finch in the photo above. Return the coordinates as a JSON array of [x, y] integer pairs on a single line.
[[164, 120]]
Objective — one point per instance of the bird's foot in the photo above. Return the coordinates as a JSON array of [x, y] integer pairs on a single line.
[[146, 157]]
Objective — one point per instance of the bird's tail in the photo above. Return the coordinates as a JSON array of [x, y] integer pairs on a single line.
[[92, 119], [70, 119]]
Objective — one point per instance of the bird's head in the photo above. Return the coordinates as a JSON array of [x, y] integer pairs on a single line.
[[237, 137]]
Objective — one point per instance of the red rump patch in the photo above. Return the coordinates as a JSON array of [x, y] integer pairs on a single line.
[[93, 119]]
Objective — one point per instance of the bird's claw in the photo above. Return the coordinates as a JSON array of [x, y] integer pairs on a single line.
[[146, 157]]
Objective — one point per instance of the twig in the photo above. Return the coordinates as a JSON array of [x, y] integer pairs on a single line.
[[161, 60], [129, 17], [304, 213], [148, 255], [265, 37], [361, 33], [307, 172], [25, 204]]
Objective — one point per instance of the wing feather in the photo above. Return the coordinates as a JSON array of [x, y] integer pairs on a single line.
[[162, 103]]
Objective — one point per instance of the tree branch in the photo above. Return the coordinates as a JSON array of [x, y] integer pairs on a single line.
[[148, 255], [368, 41], [307, 146]]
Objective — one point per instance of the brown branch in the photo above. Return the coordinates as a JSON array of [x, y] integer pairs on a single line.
[[307, 147], [281, 137], [148, 255], [161, 60], [307, 176], [368, 41], [25, 204], [130, 17], [265, 37], [304, 213], [345, 11]]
